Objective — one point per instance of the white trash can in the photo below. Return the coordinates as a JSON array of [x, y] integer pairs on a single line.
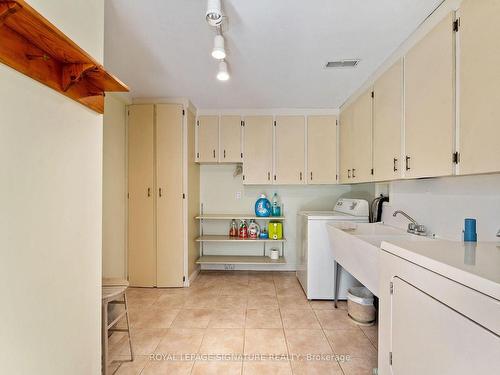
[[360, 306]]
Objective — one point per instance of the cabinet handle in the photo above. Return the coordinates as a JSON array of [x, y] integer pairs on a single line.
[[224, 154], [395, 164], [268, 176], [408, 163], [159, 192], [214, 154], [348, 173], [353, 170], [311, 176], [300, 176], [149, 191]]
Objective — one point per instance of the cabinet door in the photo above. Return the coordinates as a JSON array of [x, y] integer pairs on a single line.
[[322, 149], [387, 124], [230, 139], [258, 150], [429, 103], [361, 138], [141, 233], [424, 328], [169, 209], [208, 139], [345, 134], [479, 81], [290, 150]]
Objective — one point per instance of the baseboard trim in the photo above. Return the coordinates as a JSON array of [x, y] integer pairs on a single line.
[[193, 276]]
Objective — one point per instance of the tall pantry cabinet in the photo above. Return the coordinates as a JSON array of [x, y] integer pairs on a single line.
[[157, 195]]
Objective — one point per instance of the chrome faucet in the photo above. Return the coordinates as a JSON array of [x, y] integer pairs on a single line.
[[413, 226]]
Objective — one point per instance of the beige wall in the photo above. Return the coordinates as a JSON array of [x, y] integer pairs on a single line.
[[50, 216], [114, 188], [218, 194]]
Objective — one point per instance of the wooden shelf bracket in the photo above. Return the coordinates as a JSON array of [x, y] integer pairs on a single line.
[[33, 46]]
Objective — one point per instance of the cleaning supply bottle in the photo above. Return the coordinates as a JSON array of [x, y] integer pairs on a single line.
[[253, 229], [243, 232], [233, 229], [276, 206], [263, 206]]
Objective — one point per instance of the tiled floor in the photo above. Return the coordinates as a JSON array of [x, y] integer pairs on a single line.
[[241, 323]]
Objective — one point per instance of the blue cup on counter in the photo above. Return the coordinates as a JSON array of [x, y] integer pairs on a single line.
[[470, 234]]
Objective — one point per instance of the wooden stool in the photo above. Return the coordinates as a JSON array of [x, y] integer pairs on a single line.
[[113, 292]]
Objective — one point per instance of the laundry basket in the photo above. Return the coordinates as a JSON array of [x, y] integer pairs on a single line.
[[360, 306]]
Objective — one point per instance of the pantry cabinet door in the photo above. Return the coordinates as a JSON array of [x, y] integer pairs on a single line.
[[345, 145], [479, 86], [169, 195], [361, 138], [258, 150], [429, 103], [141, 197], [322, 149], [208, 139], [289, 150], [230, 139], [387, 124]]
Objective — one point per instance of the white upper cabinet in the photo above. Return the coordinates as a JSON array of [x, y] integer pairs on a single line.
[[361, 138], [230, 139], [322, 149], [346, 145], [429, 103], [479, 75], [258, 150], [208, 139], [387, 123], [289, 150]]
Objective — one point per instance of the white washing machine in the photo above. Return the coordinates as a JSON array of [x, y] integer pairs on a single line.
[[315, 269]]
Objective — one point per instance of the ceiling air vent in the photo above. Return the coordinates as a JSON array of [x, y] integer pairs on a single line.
[[342, 63]]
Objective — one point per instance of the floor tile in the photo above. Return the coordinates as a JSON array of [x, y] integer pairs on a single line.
[[222, 341], [168, 368], [351, 342], [192, 318], [179, 341], [359, 366], [328, 305], [299, 319], [171, 301], [265, 341], [132, 368], [231, 302], [263, 319], [372, 334], [144, 341], [293, 302], [267, 368], [316, 367], [228, 318], [234, 290], [262, 289], [307, 342], [217, 368], [262, 302], [335, 319], [200, 301], [152, 317]]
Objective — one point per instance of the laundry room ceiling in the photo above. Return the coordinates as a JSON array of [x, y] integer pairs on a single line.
[[276, 50]]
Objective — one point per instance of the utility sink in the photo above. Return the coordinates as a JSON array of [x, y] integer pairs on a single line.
[[356, 247]]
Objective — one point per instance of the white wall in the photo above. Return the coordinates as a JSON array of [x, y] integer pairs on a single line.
[[218, 195], [114, 189], [442, 204], [50, 216]]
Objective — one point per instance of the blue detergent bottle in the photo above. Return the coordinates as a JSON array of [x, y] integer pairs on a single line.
[[263, 206]]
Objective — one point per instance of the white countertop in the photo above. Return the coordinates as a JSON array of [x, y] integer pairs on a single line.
[[476, 265]]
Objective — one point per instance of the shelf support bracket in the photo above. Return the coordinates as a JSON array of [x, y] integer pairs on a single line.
[[73, 73], [7, 9]]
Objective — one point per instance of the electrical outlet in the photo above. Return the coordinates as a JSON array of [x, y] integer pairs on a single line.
[[238, 195]]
